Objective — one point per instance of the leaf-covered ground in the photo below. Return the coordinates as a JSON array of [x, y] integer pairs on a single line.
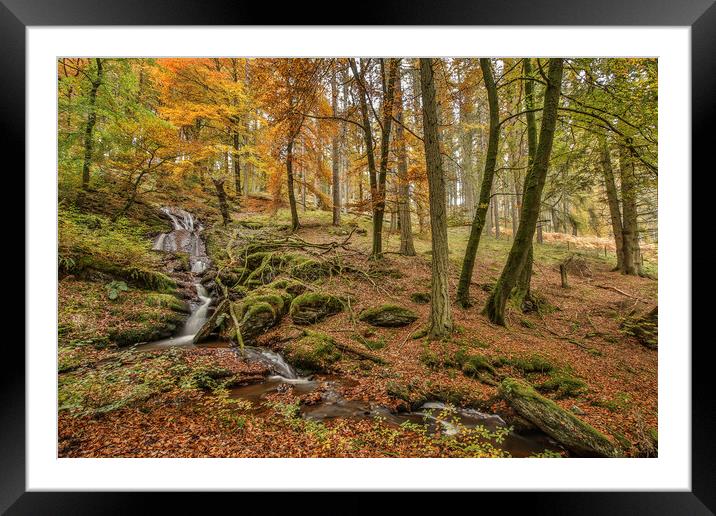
[[177, 402]]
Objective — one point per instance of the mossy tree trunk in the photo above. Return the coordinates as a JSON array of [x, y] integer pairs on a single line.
[[406, 233], [630, 242], [612, 200], [495, 307], [91, 121], [440, 323], [524, 282], [478, 222]]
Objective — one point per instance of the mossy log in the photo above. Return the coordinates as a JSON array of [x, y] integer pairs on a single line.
[[558, 423], [388, 316]]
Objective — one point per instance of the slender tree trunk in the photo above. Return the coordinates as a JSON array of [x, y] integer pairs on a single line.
[[89, 128], [468, 264], [525, 299], [406, 233], [335, 157], [237, 166], [291, 194], [495, 307], [630, 243], [223, 204], [440, 323]]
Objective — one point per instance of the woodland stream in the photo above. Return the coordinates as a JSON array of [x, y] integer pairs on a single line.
[[186, 237]]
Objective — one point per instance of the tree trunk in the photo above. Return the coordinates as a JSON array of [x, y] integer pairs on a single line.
[[468, 264], [630, 244], [221, 195], [334, 153], [237, 166], [440, 323], [525, 299], [495, 307], [291, 194], [89, 128], [406, 233]]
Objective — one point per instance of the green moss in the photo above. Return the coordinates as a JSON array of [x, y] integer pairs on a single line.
[[313, 352], [534, 363], [420, 297], [312, 307], [274, 299], [475, 364], [619, 403], [292, 286], [156, 299], [557, 422], [370, 344], [312, 270], [563, 384], [388, 315]]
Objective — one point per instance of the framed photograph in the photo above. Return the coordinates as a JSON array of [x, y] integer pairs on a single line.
[[421, 250]]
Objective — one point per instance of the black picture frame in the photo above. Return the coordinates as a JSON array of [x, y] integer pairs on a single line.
[[700, 15]]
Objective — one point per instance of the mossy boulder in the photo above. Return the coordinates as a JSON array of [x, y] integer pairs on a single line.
[[292, 286], [315, 352], [388, 316], [312, 270], [558, 423], [258, 317], [313, 307]]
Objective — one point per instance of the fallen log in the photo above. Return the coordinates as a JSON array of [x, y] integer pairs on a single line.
[[558, 423]]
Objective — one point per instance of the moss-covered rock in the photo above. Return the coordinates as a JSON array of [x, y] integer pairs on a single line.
[[313, 352], [388, 316], [292, 286], [312, 270], [312, 307], [558, 423], [258, 317]]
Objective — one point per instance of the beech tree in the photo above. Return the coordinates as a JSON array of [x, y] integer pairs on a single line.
[[440, 323], [463, 289], [495, 307]]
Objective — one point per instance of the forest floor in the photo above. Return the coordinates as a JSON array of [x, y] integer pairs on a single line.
[[122, 402]]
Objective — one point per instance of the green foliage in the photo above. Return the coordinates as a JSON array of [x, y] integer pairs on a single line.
[[114, 288]]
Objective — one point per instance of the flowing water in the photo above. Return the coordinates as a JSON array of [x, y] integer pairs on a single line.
[[186, 237]]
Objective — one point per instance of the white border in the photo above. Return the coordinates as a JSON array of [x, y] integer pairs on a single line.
[[670, 471]]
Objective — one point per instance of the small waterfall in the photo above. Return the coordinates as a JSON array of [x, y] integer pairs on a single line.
[[185, 238], [198, 316], [274, 361]]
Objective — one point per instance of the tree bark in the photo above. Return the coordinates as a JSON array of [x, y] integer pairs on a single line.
[[495, 307], [291, 194], [89, 128], [221, 195], [468, 264], [630, 243], [237, 165], [440, 323], [524, 282], [334, 153], [612, 200], [406, 233]]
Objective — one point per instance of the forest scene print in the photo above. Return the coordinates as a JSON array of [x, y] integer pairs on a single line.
[[357, 257]]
